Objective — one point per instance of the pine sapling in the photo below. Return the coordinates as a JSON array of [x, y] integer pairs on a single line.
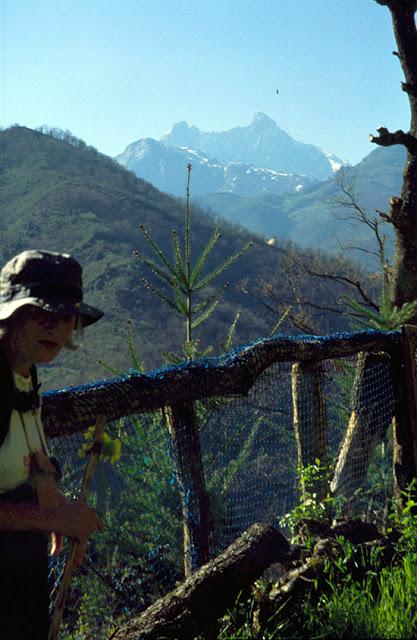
[[184, 283]]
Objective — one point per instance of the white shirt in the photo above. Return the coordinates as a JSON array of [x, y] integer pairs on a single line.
[[14, 452]]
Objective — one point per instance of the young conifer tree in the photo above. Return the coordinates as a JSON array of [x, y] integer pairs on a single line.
[[185, 283], [184, 289]]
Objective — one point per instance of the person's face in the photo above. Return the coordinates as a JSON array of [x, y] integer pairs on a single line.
[[38, 335]]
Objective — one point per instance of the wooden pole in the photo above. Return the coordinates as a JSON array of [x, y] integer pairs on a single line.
[[372, 409], [183, 428], [74, 544], [309, 417]]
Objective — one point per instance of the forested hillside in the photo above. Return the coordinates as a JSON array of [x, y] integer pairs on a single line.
[[59, 194]]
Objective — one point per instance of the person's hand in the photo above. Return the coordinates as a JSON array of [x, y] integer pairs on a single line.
[[77, 520], [57, 543]]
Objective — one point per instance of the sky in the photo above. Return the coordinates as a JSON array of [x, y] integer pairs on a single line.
[[114, 71]]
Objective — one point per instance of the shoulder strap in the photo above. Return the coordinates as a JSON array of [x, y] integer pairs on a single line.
[[6, 396], [10, 398]]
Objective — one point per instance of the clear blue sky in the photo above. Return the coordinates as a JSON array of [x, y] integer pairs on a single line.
[[113, 71]]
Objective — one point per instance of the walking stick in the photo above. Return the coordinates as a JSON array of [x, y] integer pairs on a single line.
[[74, 544]]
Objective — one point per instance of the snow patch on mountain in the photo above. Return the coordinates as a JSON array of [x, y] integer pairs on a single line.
[[164, 166], [335, 162]]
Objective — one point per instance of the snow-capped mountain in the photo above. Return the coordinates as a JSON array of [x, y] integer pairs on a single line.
[[245, 176], [165, 167], [262, 143]]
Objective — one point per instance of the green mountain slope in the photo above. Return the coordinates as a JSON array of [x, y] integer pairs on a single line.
[[61, 195], [263, 214], [312, 217]]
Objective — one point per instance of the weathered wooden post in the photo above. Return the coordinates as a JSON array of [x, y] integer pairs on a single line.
[[394, 400], [309, 417], [371, 413], [183, 428]]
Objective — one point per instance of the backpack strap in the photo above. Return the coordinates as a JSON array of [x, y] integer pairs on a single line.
[[10, 398]]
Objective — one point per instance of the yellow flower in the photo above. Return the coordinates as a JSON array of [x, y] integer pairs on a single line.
[[117, 449], [111, 447]]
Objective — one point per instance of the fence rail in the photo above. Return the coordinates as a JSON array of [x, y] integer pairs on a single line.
[[72, 409]]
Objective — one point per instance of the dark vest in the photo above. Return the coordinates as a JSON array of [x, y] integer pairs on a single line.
[[11, 399]]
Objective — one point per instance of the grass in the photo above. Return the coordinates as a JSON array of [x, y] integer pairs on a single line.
[[359, 610], [361, 595], [384, 605]]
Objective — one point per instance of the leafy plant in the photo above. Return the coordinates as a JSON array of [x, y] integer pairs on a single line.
[[403, 519], [388, 316], [309, 507]]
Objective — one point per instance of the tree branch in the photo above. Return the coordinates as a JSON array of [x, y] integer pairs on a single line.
[[352, 247], [361, 214], [388, 139], [347, 281], [409, 88], [385, 216], [398, 4]]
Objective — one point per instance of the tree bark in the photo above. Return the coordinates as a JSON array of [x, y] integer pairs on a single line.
[[193, 607], [405, 422], [403, 210]]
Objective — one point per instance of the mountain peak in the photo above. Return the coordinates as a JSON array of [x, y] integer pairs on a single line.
[[182, 135], [263, 119], [262, 143], [181, 126]]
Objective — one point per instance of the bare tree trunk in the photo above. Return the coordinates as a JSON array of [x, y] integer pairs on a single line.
[[403, 210], [195, 606], [405, 422]]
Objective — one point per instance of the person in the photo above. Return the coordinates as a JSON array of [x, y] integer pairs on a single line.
[[41, 305]]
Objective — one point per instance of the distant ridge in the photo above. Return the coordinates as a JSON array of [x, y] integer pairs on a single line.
[[232, 179], [313, 217]]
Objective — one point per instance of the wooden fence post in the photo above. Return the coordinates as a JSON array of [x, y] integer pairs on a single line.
[[367, 425], [309, 417], [183, 428]]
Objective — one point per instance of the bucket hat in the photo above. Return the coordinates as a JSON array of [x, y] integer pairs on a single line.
[[45, 279]]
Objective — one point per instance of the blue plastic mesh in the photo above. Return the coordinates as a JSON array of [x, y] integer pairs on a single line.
[[244, 405]]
